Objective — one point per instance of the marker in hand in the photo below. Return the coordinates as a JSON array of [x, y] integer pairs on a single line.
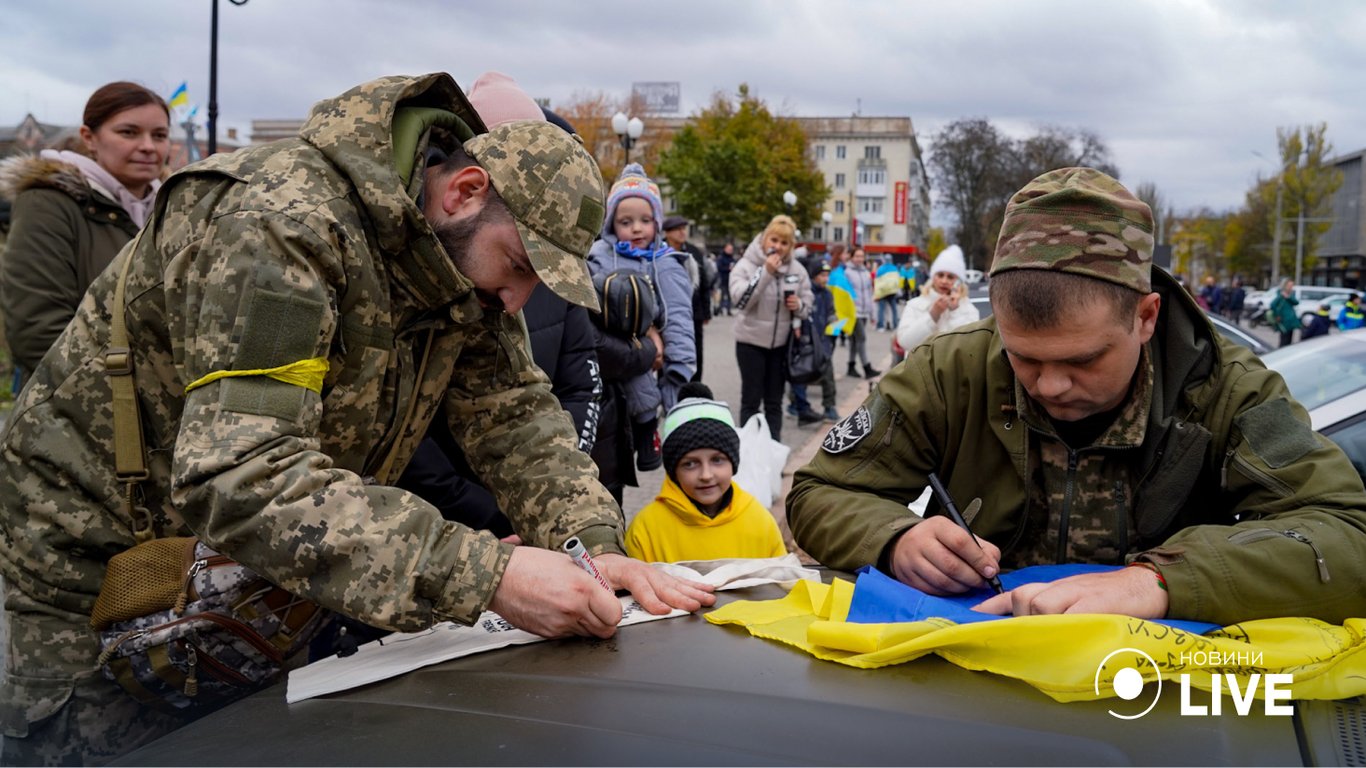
[[574, 548], [946, 501]]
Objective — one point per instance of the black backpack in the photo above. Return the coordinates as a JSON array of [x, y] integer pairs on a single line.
[[627, 301]]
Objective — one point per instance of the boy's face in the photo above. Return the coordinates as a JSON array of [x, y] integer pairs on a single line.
[[821, 278], [634, 222], [704, 474]]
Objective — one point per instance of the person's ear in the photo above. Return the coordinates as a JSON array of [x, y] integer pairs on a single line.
[[462, 193], [88, 139], [1149, 307]]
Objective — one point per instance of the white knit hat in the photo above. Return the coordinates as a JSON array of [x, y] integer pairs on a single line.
[[950, 260]]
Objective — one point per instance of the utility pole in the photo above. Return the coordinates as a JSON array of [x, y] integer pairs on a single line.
[[1276, 235]]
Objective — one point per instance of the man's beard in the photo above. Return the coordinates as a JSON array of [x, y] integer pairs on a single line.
[[455, 237]]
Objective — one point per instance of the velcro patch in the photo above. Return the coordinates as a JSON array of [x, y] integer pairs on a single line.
[[848, 431], [591, 213], [1274, 434]]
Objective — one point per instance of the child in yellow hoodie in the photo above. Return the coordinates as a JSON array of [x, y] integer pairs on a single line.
[[700, 514]]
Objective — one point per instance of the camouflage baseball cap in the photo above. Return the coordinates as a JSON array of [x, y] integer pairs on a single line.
[[553, 188], [1078, 220]]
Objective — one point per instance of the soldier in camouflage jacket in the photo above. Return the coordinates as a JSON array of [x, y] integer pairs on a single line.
[[338, 251], [1201, 466]]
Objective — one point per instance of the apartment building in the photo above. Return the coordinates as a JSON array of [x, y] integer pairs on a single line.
[[880, 193]]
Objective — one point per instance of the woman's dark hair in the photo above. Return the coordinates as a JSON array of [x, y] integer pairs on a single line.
[[114, 98]]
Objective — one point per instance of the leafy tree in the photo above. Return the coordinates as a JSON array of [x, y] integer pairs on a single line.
[[590, 112], [935, 243], [1308, 190], [1201, 241], [1304, 182], [731, 163]]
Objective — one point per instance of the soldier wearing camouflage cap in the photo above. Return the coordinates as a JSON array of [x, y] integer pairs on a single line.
[[1096, 418], [299, 312]]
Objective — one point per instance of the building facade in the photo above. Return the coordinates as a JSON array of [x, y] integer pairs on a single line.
[[880, 193], [1342, 249]]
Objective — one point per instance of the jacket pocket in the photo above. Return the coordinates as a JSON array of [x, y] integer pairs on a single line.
[[29, 701]]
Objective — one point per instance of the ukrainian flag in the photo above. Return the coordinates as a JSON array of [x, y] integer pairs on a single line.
[[846, 313], [180, 97]]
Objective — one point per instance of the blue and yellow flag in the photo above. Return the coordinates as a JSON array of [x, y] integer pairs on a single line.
[[1063, 655], [846, 313], [180, 97]]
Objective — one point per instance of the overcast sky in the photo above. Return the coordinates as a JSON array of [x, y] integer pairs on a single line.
[[1182, 91]]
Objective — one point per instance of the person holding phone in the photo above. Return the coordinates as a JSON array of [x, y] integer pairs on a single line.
[[769, 289], [942, 304]]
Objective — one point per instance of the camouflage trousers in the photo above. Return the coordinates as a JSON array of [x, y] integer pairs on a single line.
[[58, 709]]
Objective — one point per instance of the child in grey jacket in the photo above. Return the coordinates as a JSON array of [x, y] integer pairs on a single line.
[[631, 240]]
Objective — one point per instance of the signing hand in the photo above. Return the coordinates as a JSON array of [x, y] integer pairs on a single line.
[[544, 593], [1129, 591], [773, 263], [655, 590], [939, 558]]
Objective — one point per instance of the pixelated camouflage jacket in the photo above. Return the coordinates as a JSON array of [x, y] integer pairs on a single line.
[[305, 248], [1211, 471]]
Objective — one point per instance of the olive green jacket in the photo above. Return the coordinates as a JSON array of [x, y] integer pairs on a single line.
[[1247, 511], [63, 234], [306, 248]]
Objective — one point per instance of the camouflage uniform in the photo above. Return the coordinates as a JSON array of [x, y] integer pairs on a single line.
[[1210, 469], [307, 248]]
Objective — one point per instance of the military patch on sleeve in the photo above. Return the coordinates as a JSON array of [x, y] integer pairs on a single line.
[[849, 431]]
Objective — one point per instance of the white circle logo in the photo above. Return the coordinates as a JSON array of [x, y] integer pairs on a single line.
[[1127, 681]]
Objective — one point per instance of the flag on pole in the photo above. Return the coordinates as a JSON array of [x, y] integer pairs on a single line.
[[180, 97]]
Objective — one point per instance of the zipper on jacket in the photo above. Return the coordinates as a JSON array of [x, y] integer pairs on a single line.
[[1253, 473], [1260, 534], [1066, 516]]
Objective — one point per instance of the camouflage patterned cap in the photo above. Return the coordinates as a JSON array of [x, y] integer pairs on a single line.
[[1078, 220], [554, 190]]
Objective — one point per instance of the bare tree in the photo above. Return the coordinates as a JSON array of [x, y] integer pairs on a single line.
[[967, 160]]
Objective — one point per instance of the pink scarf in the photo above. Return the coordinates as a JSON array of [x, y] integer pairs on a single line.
[[103, 181]]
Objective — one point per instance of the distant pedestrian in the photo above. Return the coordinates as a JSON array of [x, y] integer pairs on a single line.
[[676, 235], [822, 311], [862, 281], [770, 289], [1237, 298], [1319, 323], [887, 284], [724, 264], [1351, 316], [1284, 318]]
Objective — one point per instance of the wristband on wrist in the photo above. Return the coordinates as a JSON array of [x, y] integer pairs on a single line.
[[1161, 580]]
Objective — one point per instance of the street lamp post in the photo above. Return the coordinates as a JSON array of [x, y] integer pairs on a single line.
[[628, 130], [826, 217], [213, 74]]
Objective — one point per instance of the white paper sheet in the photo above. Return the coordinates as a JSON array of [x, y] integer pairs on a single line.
[[402, 652]]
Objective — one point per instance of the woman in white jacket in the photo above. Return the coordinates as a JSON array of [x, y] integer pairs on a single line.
[[942, 304]]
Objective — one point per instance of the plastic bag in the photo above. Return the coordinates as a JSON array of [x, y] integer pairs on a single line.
[[761, 461]]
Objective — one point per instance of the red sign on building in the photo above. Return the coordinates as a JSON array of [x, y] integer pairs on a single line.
[[899, 203]]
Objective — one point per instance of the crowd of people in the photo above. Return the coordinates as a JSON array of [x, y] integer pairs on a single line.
[[395, 364]]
